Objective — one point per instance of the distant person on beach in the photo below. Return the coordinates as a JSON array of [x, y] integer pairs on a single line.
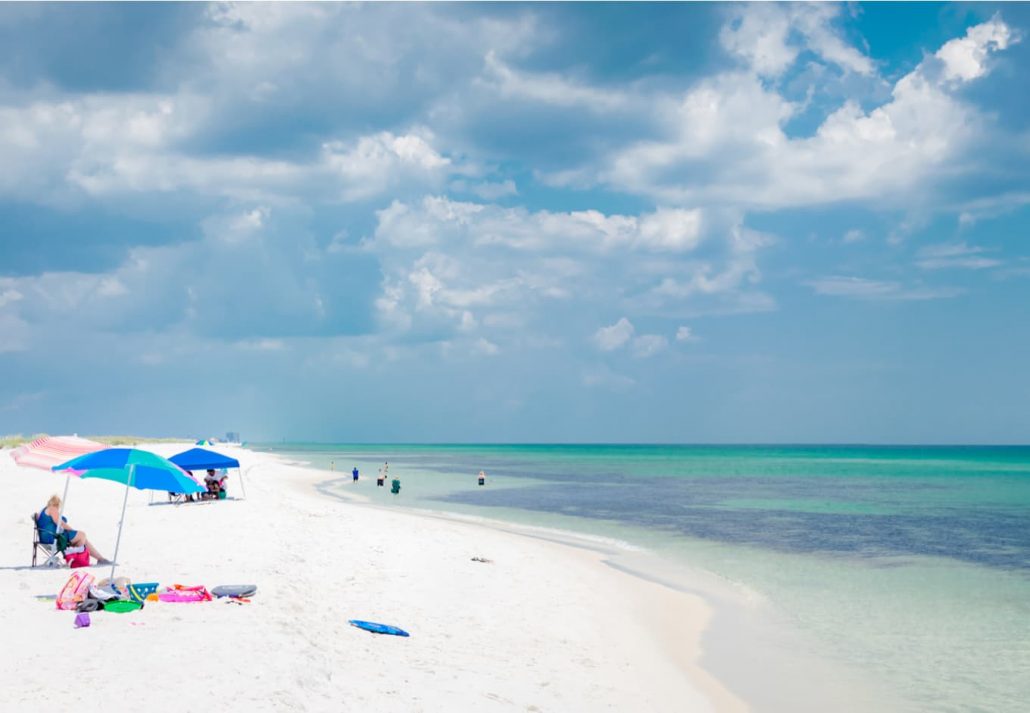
[[380, 479], [47, 523], [482, 477], [354, 473]]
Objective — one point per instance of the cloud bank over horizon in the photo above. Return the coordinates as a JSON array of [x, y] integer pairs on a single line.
[[476, 222]]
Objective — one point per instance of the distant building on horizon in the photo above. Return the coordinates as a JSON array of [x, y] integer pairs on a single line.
[[232, 437]]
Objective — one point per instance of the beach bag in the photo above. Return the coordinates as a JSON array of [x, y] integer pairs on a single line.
[[77, 559], [102, 593], [75, 590], [180, 593], [89, 604], [119, 585]]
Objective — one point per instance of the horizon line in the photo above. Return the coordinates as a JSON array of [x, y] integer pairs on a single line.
[[646, 443]]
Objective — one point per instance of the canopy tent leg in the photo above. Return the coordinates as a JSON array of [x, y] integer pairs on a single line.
[[242, 488], [118, 541]]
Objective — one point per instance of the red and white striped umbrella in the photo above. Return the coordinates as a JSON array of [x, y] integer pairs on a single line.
[[48, 451]]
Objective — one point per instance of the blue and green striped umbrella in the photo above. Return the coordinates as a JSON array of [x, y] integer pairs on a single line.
[[142, 470], [135, 468]]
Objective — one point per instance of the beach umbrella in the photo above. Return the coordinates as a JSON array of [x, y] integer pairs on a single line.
[[46, 452], [138, 469], [205, 442], [196, 459]]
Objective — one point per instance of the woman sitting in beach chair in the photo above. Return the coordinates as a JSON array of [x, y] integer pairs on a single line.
[[215, 485], [46, 523]]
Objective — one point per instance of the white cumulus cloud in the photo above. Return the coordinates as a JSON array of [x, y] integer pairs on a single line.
[[725, 140], [769, 37], [614, 336], [965, 58]]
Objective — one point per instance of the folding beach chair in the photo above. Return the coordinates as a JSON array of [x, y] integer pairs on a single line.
[[52, 550]]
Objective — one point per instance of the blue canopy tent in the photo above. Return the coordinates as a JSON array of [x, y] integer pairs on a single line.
[[201, 459]]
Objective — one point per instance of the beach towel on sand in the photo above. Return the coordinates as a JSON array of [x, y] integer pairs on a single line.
[[180, 593]]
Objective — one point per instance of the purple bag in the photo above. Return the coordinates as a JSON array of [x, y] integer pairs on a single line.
[[81, 620]]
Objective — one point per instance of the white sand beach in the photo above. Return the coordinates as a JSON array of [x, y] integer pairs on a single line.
[[542, 627]]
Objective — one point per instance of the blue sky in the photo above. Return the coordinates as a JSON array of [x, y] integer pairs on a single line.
[[517, 222]]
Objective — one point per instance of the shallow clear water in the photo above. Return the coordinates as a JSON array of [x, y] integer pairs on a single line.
[[910, 563]]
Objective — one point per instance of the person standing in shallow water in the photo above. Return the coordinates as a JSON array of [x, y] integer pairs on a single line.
[[354, 473], [482, 477], [383, 472]]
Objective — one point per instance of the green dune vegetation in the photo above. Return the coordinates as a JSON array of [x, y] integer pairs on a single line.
[[13, 440]]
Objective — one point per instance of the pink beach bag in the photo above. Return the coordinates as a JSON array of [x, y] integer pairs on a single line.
[[74, 590], [77, 559]]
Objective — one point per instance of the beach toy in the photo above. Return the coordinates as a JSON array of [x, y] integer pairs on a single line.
[[81, 620], [378, 628], [152, 597], [142, 591], [122, 607], [235, 590]]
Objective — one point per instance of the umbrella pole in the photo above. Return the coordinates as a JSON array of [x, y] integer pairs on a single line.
[[118, 541], [242, 489], [60, 510], [60, 521]]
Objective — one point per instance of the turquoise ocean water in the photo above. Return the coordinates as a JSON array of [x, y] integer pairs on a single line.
[[908, 564]]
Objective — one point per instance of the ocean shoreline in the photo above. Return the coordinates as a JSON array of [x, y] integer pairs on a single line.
[[598, 548], [766, 670]]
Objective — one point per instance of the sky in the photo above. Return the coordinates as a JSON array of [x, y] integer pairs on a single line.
[[670, 223]]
